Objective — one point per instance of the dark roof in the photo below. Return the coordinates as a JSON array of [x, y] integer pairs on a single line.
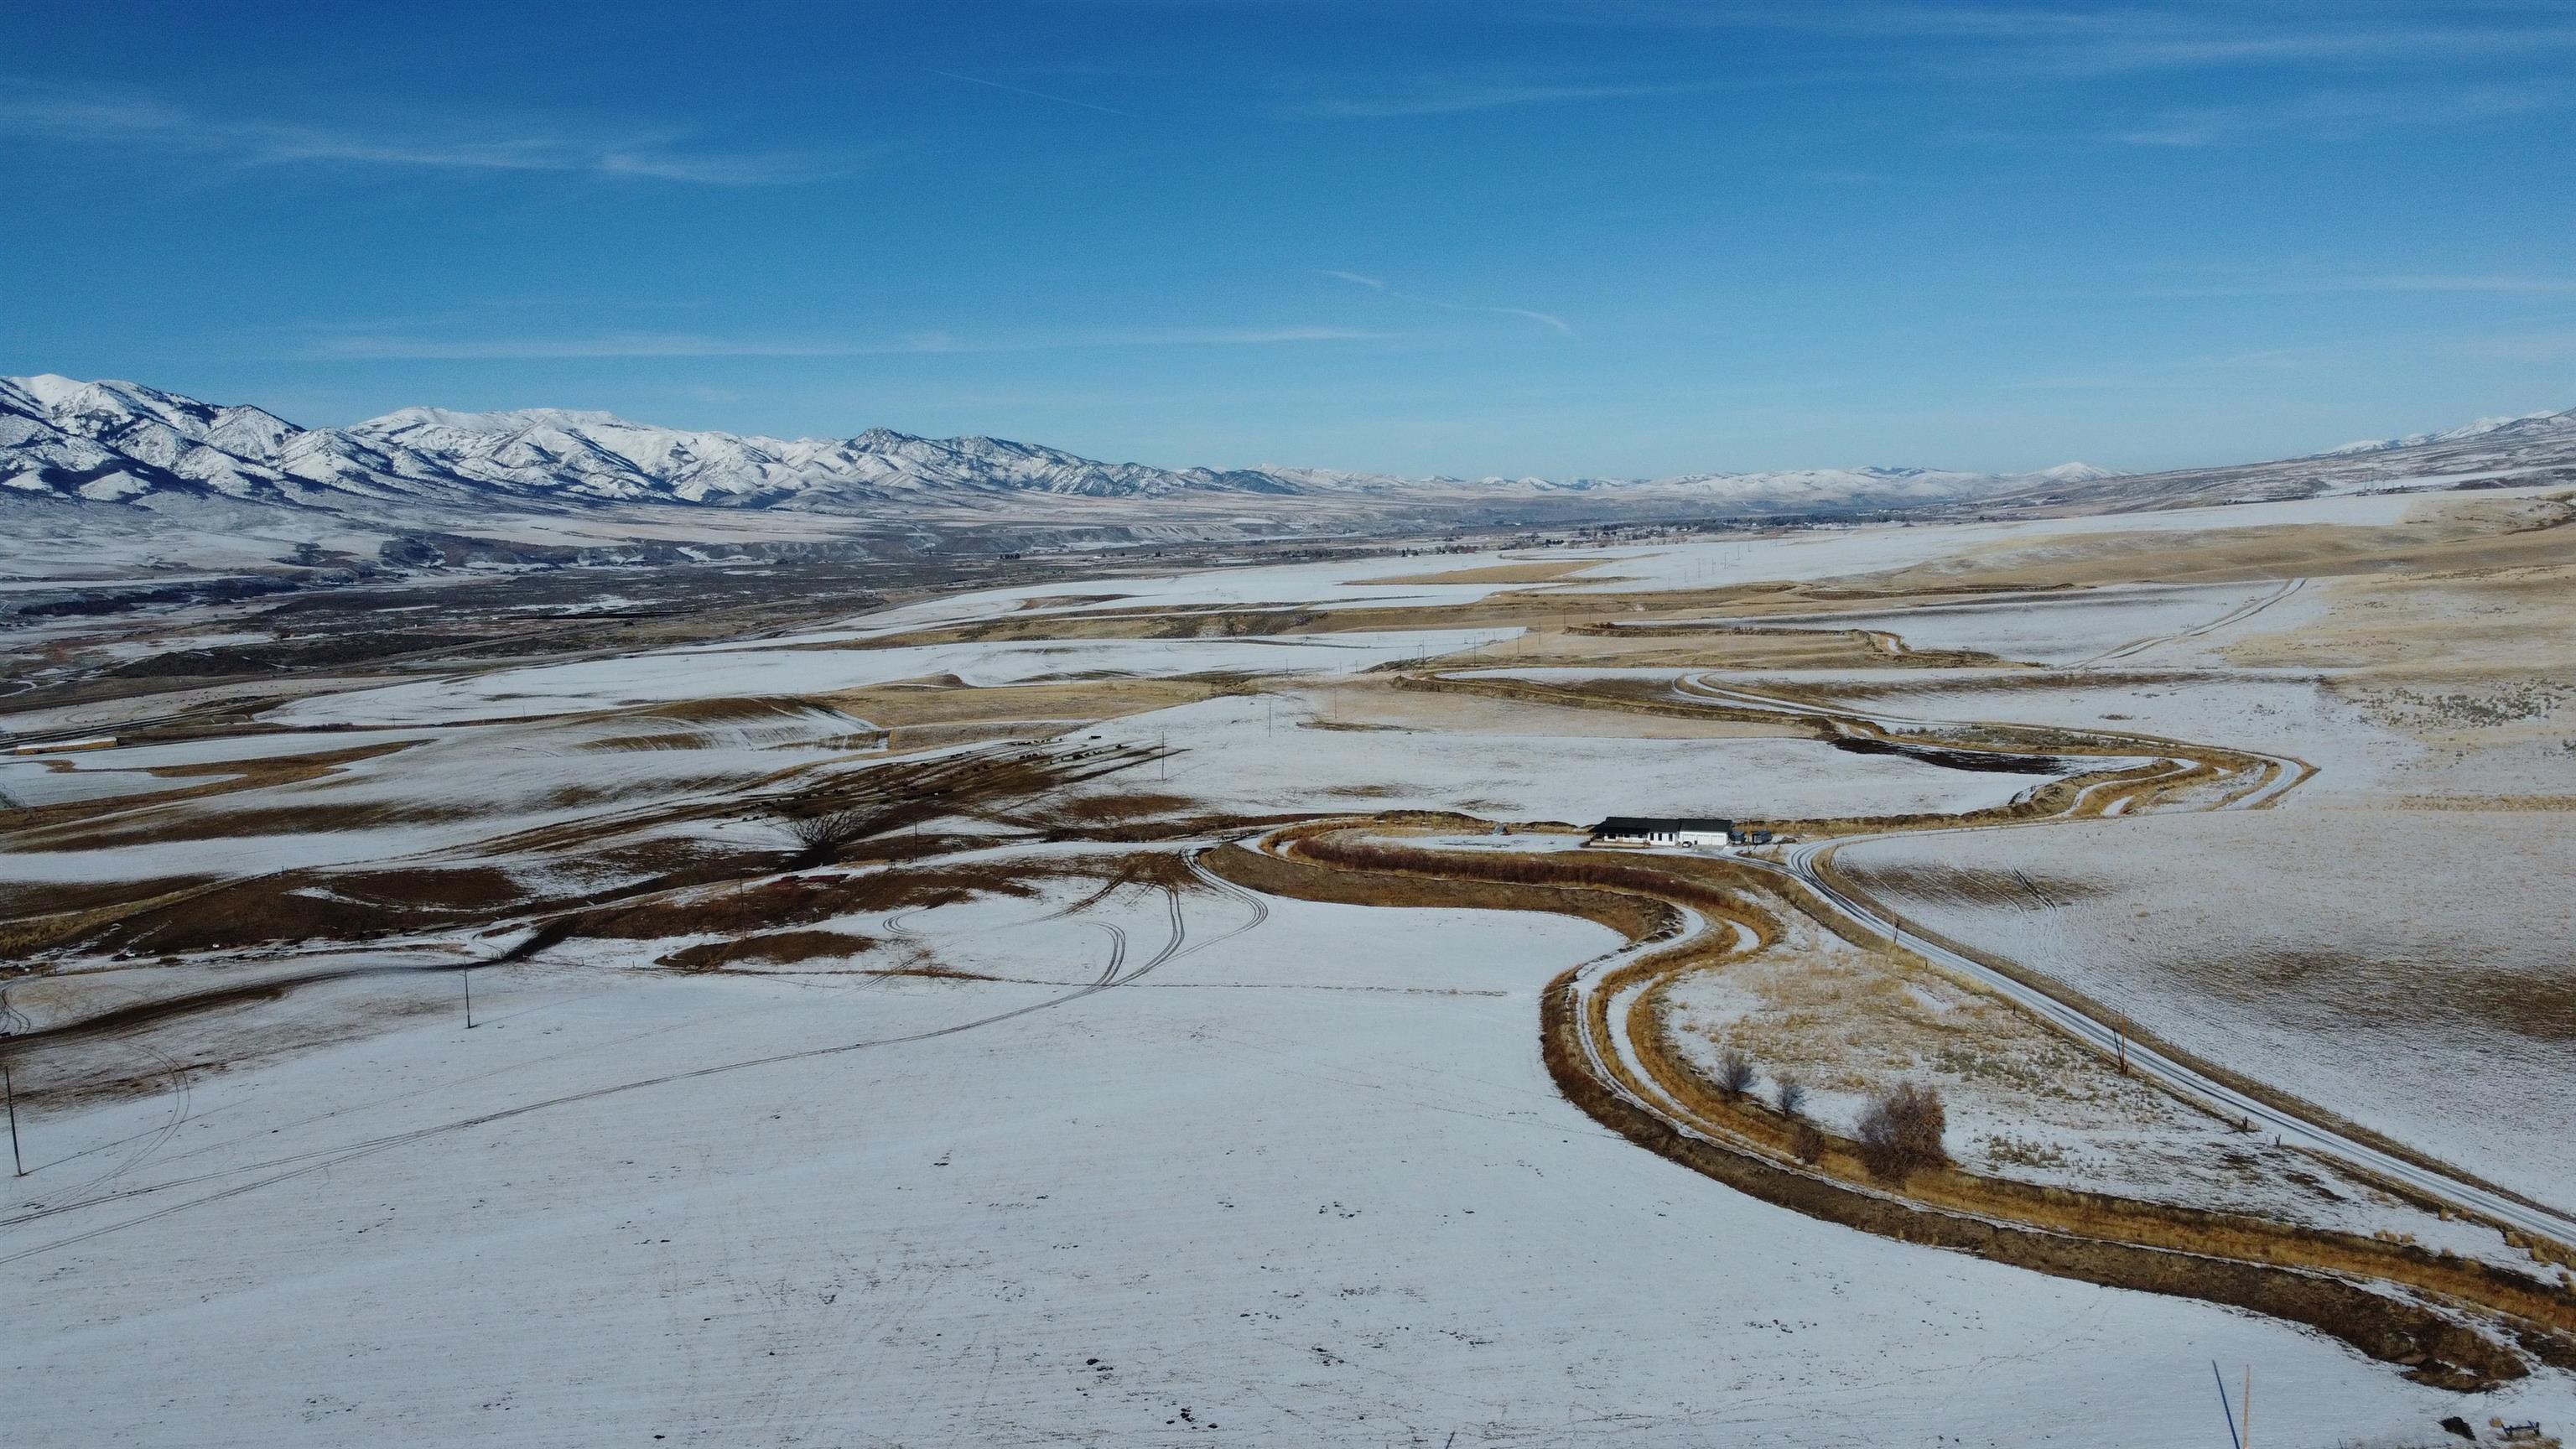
[[1659, 824]]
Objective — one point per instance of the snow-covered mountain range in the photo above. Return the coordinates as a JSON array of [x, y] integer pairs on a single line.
[[110, 476], [120, 442]]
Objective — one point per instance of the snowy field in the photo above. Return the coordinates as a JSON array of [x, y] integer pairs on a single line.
[[1278, 1191], [1254, 757], [2281, 712], [1022, 1161], [676, 675], [433, 790], [1705, 562], [2410, 969], [2159, 624]]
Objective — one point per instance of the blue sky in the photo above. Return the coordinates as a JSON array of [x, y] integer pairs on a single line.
[[1495, 237]]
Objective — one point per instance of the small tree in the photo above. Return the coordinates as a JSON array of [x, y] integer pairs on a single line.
[[1808, 1141], [1735, 1074], [1792, 1096], [1900, 1132]]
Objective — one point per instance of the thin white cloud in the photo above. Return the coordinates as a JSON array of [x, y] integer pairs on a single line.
[[2399, 283], [62, 115], [1025, 91], [1548, 320], [1447, 97], [1544, 319], [2348, 114], [2137, 37], [614, 345]]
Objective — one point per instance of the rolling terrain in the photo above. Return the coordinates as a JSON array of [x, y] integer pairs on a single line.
[[931, 1000]]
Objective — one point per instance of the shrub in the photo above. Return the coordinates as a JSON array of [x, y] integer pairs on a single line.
[[1808, 1141], [820, 839], [1735, 1074], [1900, 1133], [1792, 1097]]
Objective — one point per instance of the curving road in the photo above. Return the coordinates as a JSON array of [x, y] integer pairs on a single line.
[[1801, 863], [1805, 863]]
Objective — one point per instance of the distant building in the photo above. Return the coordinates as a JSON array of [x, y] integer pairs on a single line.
[[1664, 830]]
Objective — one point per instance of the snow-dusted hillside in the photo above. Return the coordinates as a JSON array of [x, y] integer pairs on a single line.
[[2534, 449], [121, 442], [2527, 426]]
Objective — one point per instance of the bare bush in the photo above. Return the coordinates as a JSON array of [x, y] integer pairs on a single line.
[[1735, 1074], [821, 838], [1900, 1132], [1808, 1141], [1791, 1094]]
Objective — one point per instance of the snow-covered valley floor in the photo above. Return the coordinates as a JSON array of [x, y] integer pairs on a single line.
[[1307, 1185], [976, 1141]]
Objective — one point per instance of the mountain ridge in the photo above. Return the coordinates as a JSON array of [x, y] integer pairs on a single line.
[[117, 441], [82, 460]]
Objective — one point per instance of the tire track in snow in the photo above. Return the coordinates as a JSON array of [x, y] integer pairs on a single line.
[[299, 1165]]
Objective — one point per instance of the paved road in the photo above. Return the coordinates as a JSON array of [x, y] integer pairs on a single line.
[[1801, 863]]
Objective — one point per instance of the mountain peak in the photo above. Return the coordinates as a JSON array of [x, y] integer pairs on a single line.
[[511, 421], [2074, 473]]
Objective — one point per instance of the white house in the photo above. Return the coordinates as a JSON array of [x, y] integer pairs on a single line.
[[1649, 830]]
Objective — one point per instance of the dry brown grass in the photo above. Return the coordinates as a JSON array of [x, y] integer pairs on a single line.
[[46, 918], [772, 948], [1124, 807], [1150, 623], [1535, 572], [1630, 916], [802, 900], [291, 907], [2088, 1235], [2434, 1346], [930, 702], [160, 816], [1639, 696], [1388, 701]]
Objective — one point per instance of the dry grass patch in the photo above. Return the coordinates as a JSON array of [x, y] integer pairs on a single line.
[[774, 948], [803, 900], [1633, 917], [1219, 623], [949, 702], [59, 826], [297, 906], [1533, 572]]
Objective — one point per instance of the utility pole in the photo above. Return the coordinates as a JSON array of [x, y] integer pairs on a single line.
[[9, 1089]]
